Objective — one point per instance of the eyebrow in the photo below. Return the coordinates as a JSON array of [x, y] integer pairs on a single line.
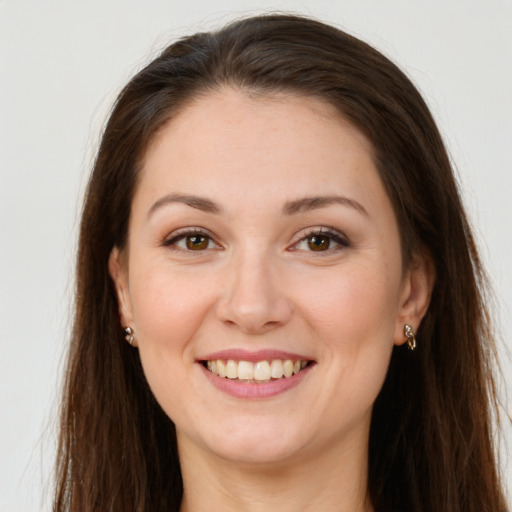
[[290, 208], [315, 202], [197, 202]]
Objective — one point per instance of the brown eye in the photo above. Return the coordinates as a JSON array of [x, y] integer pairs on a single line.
[[324, 240], [319, 242], [191, 240], [197, 242]]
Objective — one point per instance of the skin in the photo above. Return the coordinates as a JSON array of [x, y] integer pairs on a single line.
[[257, 284]]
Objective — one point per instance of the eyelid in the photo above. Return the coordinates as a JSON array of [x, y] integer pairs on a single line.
[[336, 235], [177, 235]]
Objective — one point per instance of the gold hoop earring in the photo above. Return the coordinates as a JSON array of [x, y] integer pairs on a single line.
[[411, 336], [129, 335]]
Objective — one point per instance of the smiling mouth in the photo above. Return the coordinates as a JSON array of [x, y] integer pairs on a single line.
[[258, 372]]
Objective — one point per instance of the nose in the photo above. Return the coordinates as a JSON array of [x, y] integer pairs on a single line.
[[252, 298]]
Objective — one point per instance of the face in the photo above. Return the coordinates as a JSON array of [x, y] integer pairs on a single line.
[[262, 246]]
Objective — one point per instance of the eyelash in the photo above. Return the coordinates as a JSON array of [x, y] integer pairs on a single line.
[[184, 234], [323, 232]]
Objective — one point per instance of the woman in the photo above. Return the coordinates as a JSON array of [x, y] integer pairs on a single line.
[[279, 301]]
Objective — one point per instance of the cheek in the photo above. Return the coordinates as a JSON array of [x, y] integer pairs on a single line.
[[168, 308], [353, 318], [355, 308]]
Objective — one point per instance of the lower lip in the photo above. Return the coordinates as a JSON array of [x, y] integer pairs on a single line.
[[253, 391]]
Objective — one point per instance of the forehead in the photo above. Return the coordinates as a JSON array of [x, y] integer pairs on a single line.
[[229, 105], [230, 134]]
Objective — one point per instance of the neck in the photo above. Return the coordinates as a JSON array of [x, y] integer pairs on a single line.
[[332, 482]]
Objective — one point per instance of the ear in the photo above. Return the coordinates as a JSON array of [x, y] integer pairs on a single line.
[[118, 270], [417, 286]]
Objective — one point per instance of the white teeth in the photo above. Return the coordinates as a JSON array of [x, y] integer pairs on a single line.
[[221, 368], [276, 369], [288, 368], [231, 369], [245, 370], [261, 371]]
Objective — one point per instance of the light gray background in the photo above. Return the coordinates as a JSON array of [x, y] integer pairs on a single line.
[[61, 65]]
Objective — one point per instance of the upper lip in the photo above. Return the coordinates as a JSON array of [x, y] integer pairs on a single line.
[[239, 354]]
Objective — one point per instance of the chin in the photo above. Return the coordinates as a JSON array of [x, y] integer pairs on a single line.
[[257, 443], [256, 451]]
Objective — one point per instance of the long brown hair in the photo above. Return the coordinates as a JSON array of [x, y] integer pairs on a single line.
[[431, 443]]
